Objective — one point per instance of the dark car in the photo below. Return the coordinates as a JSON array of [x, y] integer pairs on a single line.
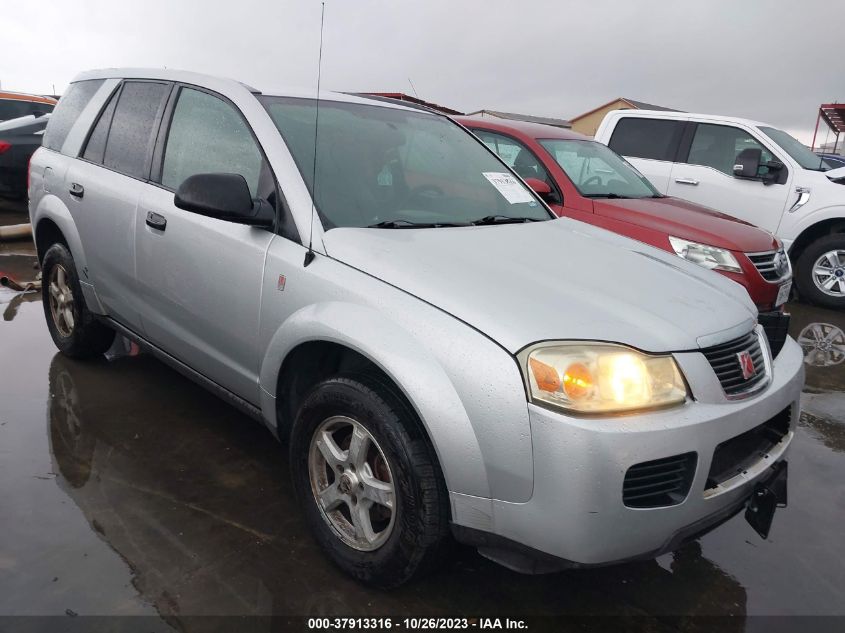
[[14, 105], [834, 160], [19, 138]]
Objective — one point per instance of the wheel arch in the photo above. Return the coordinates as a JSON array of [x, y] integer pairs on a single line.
[[816, 230], [52, 222], [339, 336]]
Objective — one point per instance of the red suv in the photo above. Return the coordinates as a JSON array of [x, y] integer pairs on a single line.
[[585, 180]]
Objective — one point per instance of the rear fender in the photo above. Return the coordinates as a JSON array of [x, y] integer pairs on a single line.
[[51, 207]]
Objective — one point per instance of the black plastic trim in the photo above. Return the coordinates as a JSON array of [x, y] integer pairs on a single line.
[[221, 392]]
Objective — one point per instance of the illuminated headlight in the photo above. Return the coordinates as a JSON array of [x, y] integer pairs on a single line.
[[710, 257], [600, 378]]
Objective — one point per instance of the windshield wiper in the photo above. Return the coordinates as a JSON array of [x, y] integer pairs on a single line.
[[504, 219], [408, 224], [611, 196]]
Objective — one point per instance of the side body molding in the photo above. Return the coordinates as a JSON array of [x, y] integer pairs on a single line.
[[408, 363]]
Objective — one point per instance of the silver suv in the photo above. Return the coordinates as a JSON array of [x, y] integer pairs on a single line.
[[442, 357]]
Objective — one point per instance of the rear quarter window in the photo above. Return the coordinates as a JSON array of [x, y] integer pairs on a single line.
[[66, 113], [657, 139]]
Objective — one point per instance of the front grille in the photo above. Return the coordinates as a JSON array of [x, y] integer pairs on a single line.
[[724, 360], [776, 326], [662, 482], [735, 455], [765, 263]]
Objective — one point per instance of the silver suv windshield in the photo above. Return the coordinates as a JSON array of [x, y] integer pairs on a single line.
[[799, 152], [389, 168], [597, 171]]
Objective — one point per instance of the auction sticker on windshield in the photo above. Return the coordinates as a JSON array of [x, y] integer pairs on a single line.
[[512, 190]]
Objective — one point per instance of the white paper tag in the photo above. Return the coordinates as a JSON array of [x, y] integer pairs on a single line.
[[512, 190], [783, 294]]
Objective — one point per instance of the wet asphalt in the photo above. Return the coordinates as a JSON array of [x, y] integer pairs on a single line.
[[125, 489]]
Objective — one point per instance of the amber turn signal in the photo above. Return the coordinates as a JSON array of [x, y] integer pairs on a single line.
[[546, 376]]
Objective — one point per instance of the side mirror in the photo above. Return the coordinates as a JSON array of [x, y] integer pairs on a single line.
[[539, 187], [222, 196], [747, 163]]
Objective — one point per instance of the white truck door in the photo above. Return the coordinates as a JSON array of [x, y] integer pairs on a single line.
[[705, 175]]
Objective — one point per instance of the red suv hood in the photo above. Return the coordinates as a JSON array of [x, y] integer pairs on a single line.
[[688, 220]]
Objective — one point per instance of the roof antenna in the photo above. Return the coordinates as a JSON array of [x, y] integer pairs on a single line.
[[412, 88], [309, 255]]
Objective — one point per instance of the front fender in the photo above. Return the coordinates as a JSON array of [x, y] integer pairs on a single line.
[[409, 364], [799, 225]]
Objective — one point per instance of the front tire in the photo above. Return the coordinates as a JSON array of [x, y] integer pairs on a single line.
[[821, 272], [368, 481], [74, 329]]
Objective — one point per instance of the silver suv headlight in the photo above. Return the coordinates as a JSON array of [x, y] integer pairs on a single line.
[[600, 377], [711, 257]]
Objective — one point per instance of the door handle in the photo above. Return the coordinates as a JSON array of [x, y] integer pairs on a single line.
[[156, 221], [687, 181], [76, 190]]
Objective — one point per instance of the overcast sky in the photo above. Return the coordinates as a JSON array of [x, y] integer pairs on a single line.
[[775, 60]]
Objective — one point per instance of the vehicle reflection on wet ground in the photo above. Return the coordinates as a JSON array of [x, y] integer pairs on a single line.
[[126, 489]]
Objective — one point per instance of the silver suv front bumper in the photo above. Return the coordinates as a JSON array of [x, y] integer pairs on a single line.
[[577, 512]]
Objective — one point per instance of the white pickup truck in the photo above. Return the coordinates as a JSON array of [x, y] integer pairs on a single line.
[[752, 171]]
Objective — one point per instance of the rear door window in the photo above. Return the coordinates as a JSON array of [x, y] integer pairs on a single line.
[[131, 135], [68, 110], [657, 139]]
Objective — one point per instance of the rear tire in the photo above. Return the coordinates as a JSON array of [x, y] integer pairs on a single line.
[[400, 540], [823, 262], [75, 330]]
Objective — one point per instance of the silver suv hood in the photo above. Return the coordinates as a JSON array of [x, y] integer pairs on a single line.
[[561, 279]]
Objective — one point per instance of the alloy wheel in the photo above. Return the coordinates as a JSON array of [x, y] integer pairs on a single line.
[[829, 273], [61, 300], [352, 483], [823, 344]]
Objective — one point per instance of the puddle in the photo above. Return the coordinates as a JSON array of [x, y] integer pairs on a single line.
[[127, 489]]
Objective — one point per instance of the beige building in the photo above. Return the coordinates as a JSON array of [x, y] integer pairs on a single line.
[[588, 122]]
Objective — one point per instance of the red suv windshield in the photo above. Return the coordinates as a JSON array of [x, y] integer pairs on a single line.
[[597, 171]]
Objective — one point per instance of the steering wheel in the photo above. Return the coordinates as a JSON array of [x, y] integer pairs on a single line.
[[592, 180], [425, 192]]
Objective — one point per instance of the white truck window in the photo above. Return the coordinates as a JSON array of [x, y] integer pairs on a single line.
[[717, 146], [657, 139]]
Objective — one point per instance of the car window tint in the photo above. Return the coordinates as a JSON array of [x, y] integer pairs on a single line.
[[717, 146], [96, 146], [68, 110], [130, 137], [207, 135], [647, 138]]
